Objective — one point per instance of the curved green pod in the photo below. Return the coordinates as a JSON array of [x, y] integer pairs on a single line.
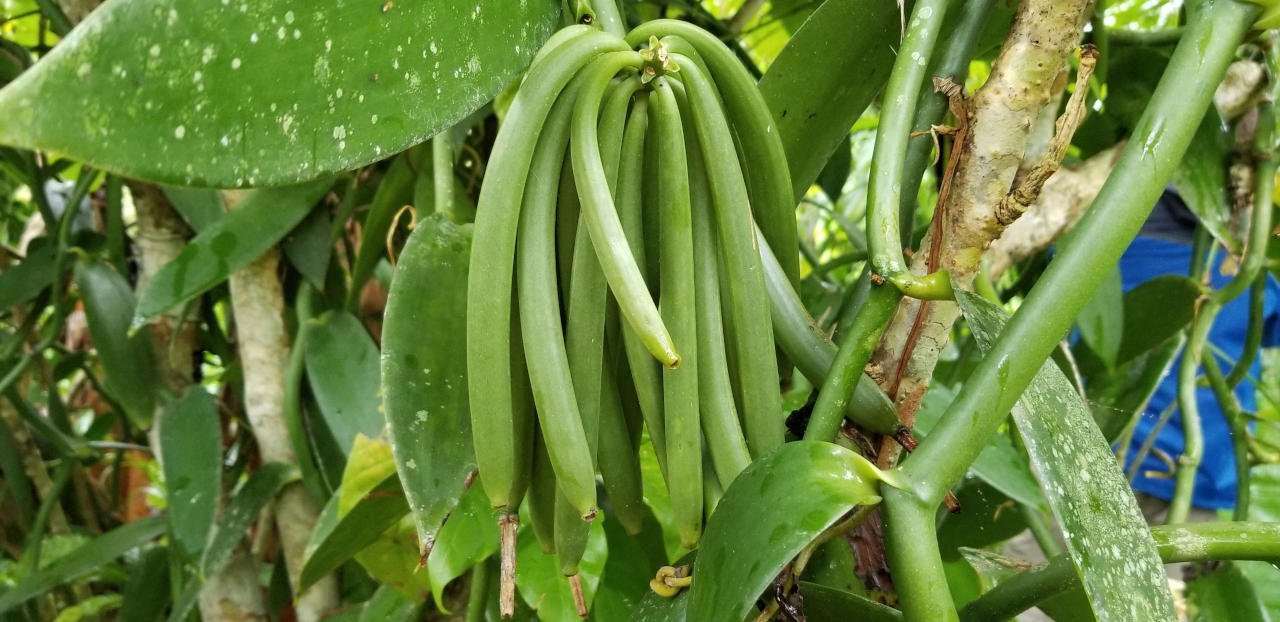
[[765, 159], [601, 218], [680, 390], [748, 301], [549, 370], [489, 290]]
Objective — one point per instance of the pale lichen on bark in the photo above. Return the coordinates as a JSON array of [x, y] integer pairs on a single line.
[[257, 300]]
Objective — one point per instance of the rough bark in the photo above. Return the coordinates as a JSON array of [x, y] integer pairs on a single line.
[[233, 594], [1065, 197], [257, 301], [1024, 79]]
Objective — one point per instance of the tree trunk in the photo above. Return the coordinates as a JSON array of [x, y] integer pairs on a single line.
[[257, 300]]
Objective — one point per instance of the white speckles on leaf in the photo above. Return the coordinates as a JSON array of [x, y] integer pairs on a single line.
[[288, 17], [154, 51], [235, 63], [180, 132], [253, 38]]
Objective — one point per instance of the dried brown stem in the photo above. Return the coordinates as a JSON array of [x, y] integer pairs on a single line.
[[508, 524]]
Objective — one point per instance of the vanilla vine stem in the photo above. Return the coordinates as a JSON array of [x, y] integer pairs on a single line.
[[1145, 165]]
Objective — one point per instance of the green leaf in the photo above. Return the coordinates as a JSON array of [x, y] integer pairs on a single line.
[[807, 486], [82, 561], [200, 207], [1154, 312], [986, 518], [266, 93], [1000, 464], [338, 537], [388, 605], [1105, 533], [1117, 396], [1224, 594], [470, 537], [342, 370], [809, 90], [147, 593], [242, 510], [825, 604], [392, 556], [543, 587], [308, 247], [22, 282], [262, 219], [395, 190], [126, 360], [424, 382], [1201, 179], [627, 571], [1264, 493], [992, 569], [191, 443], [1102, 319], [92, 608]]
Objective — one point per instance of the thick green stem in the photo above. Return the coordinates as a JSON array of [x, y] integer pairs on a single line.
[[813, 353], [1250, 266], [856, 346], [953, 64], [1144, 167], [1192, 435], [1253, 334], [1146, 164], [912, 547], [442, 171], [609, 18], [1229, 404], [1196, 542], [897, 112]]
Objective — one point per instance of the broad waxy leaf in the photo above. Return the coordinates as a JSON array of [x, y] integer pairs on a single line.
[[126, 360], [309, 247], [262, 219], [1224, 594], [392, 556], [768, 514], [991, 569], [1264, 493], [342, 371], [469, 538], [625, 579], [388, 605], [21, 282], [832, 68], [242, 510], [200, 207], [1155, 311], [824, 604], [191, 443], [424, 385], [1104, 530], [543, 587], [85, 559], [336, 539], [147, 593], [1102, 319], [1000, 464], [1201, 179], [266, 93]]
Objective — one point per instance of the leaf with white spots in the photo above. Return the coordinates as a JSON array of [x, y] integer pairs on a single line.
[[232, 93], [1105, 533], [424, 380]]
